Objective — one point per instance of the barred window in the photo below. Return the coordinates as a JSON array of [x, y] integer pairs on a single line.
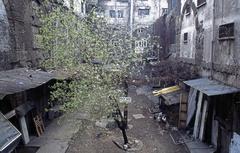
[[226, 31], [143, 12]]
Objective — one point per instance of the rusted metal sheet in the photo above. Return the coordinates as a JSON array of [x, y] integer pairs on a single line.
[[18, 80], [172, 98], [211, 87]]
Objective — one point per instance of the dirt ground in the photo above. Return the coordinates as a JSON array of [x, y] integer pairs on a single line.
[[92, 139]]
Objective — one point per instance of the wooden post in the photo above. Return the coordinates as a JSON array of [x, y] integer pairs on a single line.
[[183, 110], [198, 116], [203, 121], [24, 129], [125, 115]]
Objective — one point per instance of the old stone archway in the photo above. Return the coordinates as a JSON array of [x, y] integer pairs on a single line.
[[199, 37]]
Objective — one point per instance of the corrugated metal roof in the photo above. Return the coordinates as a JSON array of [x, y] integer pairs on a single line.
[[211, 87], [8, 133], [18, 80]]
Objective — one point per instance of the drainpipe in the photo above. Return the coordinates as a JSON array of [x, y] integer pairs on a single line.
[[213, 39], [131, 18]]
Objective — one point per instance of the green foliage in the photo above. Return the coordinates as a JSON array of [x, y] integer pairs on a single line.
[[95, 55]]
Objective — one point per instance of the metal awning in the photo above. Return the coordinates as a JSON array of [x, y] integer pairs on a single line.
[[9, 135], [18, 80], [211, 87]]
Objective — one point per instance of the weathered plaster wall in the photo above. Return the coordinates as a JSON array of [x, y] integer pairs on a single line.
[[228, 11], [205, 16], [79, 7], [226, 55], [155, 12], [116, 5], [222, 59], [188, 25], [19, 28]]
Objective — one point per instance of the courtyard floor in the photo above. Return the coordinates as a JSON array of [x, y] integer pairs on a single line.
[[93, 139]]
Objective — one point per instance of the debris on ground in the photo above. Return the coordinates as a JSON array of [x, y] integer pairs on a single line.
[[152, 136], [133, 145], [106, 123], [138, 116]]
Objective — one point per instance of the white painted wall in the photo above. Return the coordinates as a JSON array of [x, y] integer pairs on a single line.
[[155, 10], [77, 7], [187, 50], [117, 6], [205, 15], [235, 144]]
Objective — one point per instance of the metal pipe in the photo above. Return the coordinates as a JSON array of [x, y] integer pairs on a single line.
[[131, 18], [213, 39]]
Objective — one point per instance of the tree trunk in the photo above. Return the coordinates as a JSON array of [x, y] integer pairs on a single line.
[[124, 136], [125, 116]]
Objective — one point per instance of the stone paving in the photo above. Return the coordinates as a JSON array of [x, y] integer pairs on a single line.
[[58, 134]]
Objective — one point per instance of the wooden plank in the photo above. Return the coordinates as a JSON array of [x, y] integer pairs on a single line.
[[10, 114], [184, 107], [24, 129], [198, 116], [183, 110], [203, 120], [183, 116], [39, 124]]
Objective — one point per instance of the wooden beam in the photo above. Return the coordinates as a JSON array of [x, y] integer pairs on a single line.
[[203, 120], [10, 114], [198, 116], [24, 129]]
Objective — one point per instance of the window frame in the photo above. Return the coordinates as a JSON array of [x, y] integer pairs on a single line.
[[188, 10], [164, 10], [113, 14], [226, 37], [122, 1], [185, 38], [120, 12], [141, 10]]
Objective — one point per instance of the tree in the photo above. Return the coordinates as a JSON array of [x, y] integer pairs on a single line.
[[96, 56]]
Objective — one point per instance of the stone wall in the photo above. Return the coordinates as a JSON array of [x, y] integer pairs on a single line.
[[19, 29], [21, 26], [4, 38]]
